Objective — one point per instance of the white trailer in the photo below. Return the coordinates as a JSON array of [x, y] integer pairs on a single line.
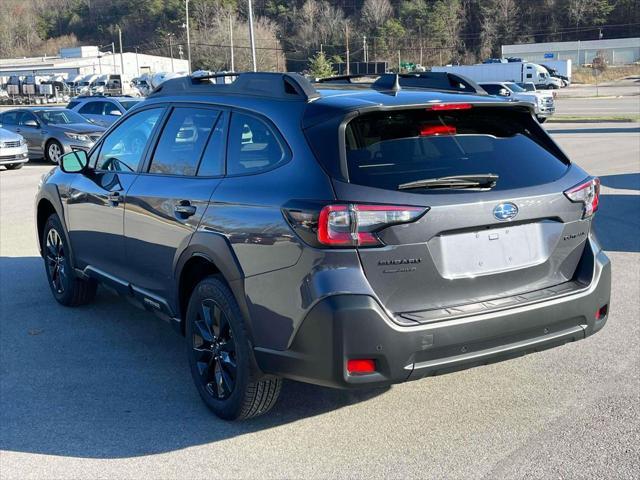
[[504, 72], [559, 68]]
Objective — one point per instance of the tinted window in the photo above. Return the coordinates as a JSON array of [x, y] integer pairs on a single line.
[[60, 116], [183, 140], [387, 149], [252, 145], [212, 163], [111, 109], [91, 108], [10, 118], [128, 105], [24, 117], [73, 104], [492, 89], [122, 149]]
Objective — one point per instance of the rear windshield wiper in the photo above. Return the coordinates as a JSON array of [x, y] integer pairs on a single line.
[[483, 180]]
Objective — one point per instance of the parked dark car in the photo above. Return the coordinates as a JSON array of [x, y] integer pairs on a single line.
[[102, 110], [51, 132], [346, 237]]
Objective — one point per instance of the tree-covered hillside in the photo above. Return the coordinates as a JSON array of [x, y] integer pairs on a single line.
[[423, 31]]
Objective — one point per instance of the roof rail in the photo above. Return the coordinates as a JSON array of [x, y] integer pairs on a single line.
[[283, 86]]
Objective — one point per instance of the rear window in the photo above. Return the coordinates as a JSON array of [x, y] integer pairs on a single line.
[[386, 149]]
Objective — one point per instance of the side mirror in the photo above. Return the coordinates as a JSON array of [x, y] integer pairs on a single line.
[[31, 123], [74, 162], [503, 92]]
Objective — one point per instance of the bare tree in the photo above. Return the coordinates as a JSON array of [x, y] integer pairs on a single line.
[[376, 12]]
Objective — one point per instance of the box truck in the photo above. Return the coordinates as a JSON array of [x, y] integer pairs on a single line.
[[504, 72]]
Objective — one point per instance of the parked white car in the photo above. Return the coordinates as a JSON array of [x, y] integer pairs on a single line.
[[13, 150], [544, 104]]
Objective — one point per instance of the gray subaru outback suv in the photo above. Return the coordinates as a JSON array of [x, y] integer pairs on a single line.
[[346, 236]]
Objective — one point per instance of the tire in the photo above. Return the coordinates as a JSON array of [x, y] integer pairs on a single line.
[[67, 288], [53, 151], [220, 355], [14, 166]]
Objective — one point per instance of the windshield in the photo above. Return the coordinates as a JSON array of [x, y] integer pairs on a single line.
[[514, 87], [387, 149], [129, 104], [60, 117]]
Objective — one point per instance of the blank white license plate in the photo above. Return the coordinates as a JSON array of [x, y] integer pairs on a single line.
[[488, 251]]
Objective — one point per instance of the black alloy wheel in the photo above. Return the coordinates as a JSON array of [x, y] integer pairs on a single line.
[[56, 264], [221, 356], [215, 350]]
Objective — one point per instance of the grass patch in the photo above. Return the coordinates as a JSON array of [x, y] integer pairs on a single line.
[[585, 75], [594, 119]]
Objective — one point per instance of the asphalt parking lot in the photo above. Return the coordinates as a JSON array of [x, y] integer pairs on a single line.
[[104, 391]]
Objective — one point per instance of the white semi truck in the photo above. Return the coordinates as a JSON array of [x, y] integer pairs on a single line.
[[504, 72]]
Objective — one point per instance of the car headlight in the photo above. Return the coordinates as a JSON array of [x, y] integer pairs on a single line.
[[23, 141], [78, 137]]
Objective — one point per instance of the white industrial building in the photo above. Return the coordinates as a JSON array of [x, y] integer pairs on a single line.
[[89, 60], [617, 51]]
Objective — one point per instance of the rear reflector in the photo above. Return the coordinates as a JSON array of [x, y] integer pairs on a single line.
[[602, 312], [451, 106], [435, 130], [360, 366], [587, 193]]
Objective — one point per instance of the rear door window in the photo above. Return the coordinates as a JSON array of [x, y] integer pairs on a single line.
[[92, 108], [183, 140], [386, 149]]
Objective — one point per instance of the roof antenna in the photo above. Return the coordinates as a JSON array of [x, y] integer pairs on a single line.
[[396, 83]]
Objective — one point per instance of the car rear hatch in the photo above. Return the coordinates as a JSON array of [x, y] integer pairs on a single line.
[[487, 220]]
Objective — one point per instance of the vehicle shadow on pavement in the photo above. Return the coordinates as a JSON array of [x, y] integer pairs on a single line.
[[108, 380], [625, 181], [617, 223], [595, 130]]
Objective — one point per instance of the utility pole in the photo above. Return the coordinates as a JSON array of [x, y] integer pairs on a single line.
[[346, 39], [420, 34], [121, 57], [251, 39], [399, 62], [233, 66], [364, 48], [186, 8], [113, 52], [137, 63], [171, 51]]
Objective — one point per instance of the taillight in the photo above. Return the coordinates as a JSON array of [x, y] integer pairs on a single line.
[[355, 225], [588, 194], [450, 106], [435, 130]]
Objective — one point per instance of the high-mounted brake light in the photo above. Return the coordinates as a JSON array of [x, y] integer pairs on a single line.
[[587, 193], [450, 106], [435, 130], [355, 225]]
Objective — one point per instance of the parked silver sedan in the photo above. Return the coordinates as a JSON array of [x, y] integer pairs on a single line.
[[13, 150], [51, 132]]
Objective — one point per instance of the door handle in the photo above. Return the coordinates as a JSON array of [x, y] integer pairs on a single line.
[[184, 208], [114, 197]]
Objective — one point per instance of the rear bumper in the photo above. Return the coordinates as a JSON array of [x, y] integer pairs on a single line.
[[345, 327]]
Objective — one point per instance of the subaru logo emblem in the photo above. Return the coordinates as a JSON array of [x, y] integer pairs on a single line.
[[505, 211]]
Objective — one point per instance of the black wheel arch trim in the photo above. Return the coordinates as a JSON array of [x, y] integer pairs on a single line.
[[214, 248], [49, 192]]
